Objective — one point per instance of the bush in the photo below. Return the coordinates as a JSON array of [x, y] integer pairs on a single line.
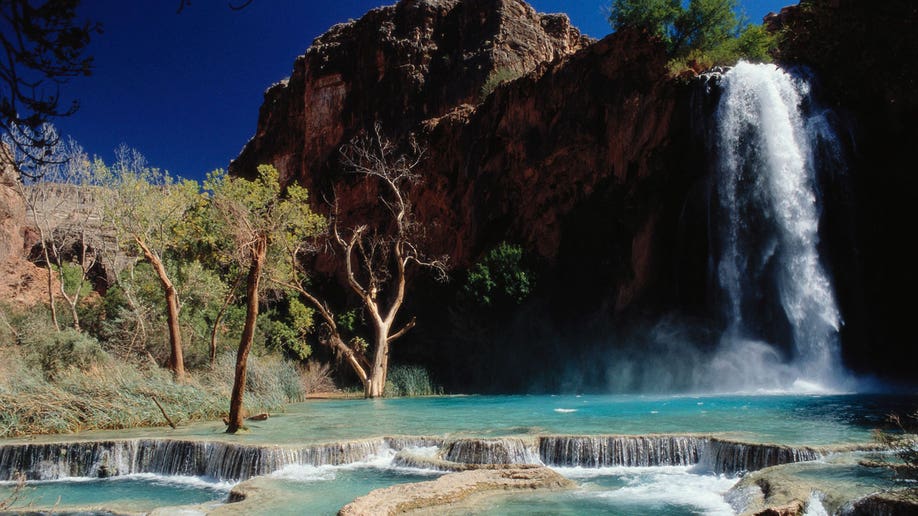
[[499, 278], [496, 78], [120, 395], [409, 381], [316, 377], [55, 351]]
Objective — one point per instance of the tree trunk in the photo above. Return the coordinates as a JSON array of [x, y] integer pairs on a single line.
[[376, 384], [177, 361], [44, 250], [248, 334]]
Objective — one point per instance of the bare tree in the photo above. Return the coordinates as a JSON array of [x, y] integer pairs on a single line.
[[377, 257], [60, 201]]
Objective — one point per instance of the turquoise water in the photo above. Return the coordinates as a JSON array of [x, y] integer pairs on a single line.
[[664, 491], [300, 490], [133, 493], [812, 420]]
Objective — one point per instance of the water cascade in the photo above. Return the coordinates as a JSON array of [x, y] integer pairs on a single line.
[[708, 453], [233, 462], [771, 143], [210, 459]]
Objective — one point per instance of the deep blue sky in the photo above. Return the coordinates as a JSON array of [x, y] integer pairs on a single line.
[[185, 89]]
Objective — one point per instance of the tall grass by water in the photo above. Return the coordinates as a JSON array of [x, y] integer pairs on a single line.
[[61, 382]]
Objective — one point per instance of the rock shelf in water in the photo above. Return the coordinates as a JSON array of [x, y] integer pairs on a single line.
[[453, 488]]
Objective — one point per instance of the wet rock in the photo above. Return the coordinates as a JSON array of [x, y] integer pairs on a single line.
[[452, 488]]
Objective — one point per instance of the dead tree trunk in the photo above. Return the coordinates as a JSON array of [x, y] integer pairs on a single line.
[[259, 251]]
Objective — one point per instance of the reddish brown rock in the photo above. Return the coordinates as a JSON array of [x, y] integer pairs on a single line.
[[21, 282], [572, 151], [399, 65]]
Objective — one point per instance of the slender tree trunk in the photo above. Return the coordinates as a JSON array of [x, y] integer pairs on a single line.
[[376, 386], [248, 333], [177, 361], [44, 250]]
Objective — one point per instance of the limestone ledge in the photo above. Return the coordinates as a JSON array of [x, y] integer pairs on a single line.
[[452, 488]]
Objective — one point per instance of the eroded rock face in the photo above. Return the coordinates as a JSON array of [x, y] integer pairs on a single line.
[[558, 160], [585, 161], [21, 282], [397, 65], [12, 215]]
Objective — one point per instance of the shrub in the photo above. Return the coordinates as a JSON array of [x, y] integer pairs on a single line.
[[496, 78], [410, 381], [500, 277], [316, 377], [54, 351]]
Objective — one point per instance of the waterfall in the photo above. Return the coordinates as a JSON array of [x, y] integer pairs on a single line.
[[707, 453], [768, 267], [233, 462], [211, 459], [629, 451], [506, 450]]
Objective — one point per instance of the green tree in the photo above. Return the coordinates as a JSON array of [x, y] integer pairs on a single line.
[[705, 30], [148, 209], [260, 220], [657, 17], [499, 277]]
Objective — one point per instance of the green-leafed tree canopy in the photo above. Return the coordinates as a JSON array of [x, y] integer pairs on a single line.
[[707, 31]]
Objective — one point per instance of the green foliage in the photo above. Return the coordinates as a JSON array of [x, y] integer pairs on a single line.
[[54, 382], [71, 274], [287, 332], [409, 381], [705, 32], [500, 277], [55, 351], [654, 16], [148, 206], [350, 320], [496, 77]]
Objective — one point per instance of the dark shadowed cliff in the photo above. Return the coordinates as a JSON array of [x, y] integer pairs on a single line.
[[592, 161]]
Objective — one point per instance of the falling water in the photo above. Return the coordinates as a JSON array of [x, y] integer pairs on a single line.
[[775, 288]]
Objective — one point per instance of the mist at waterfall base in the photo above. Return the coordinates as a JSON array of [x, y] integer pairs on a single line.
[[770, 147]]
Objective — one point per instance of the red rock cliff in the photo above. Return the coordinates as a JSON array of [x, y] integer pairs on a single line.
[[397, 65], [567, 160]]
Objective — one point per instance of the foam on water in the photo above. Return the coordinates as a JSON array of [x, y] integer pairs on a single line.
[[674, 486]]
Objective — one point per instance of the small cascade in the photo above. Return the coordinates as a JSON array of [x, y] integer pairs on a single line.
[[216, 460], [772, 145], [630, 451], [491, 451], [731, 457], [233, 462]]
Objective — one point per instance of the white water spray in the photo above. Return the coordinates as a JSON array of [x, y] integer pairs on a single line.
[[768, 217]]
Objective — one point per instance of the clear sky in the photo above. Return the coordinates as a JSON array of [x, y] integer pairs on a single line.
[[185, 89]]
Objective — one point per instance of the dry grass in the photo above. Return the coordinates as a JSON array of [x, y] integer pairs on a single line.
[[120, 395]]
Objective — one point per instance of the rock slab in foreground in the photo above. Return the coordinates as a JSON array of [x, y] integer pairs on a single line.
[[452, 488]]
